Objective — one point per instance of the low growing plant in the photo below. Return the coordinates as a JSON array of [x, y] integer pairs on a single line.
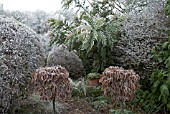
[[112, 111], [93, 75], [99, 104], [143, 101]]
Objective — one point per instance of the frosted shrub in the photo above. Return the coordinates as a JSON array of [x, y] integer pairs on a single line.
[[144, 28], [60, 55], [20, 54]]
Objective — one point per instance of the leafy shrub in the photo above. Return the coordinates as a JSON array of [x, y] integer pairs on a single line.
[[91, 33], [157, 98], [77, 92], [93, 96], [94, 91], [97, 100], [60, 55], [144, 29], [99, 104], [144, 100], [90, 92], [20, 54], [167, 8], [160, 79]]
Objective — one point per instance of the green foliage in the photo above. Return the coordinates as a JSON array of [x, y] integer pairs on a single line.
[[92, 33], [93, 75], [145, 100], [157, 98], [76, 92], [99, 104], [93, 96], [160, 78], [91, 92], [167, 8], [112, 111]]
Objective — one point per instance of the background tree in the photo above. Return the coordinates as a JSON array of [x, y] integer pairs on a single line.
[[92, 33]]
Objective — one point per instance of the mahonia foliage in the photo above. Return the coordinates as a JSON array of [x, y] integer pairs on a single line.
[[157, 97], [52, 82], [119, 84], [92, 33], [160, 78], [167, 8]]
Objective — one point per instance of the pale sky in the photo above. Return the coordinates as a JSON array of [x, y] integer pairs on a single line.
[[32, 5]]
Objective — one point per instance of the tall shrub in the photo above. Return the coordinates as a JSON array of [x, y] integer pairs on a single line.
[[160, 78], [157, 98], [92, 33], [144, 28]]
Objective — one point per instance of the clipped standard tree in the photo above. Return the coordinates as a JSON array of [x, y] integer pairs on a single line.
[[119, 84], [52, 83]]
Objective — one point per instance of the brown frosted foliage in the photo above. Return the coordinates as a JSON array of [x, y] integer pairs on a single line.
[[52, 82], [119, 84]]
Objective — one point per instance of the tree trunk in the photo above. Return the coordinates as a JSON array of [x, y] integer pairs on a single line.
[[54, 111]]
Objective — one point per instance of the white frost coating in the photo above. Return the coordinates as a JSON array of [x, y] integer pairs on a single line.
[[143, 30], [61, 56], [20, 54], [45, 40]]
